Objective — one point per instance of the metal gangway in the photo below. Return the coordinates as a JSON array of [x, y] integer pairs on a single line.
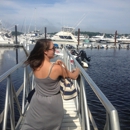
[[77, 115]]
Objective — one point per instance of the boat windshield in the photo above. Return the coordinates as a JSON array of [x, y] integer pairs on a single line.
[[65, 37]]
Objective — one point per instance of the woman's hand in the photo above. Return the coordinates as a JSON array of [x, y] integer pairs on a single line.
[[74, 73], [58, 62]]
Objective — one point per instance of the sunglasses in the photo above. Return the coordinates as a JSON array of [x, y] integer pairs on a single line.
[[52, 48]]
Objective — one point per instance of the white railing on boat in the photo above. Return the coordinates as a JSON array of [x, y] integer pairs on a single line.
[[83, 111]]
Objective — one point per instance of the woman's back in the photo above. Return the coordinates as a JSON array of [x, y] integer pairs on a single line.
[[47, 86], [46, 104]]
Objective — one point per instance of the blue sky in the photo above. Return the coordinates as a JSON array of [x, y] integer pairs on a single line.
[[105, 16]]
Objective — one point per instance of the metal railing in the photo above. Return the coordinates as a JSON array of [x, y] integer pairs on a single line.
[[11, 97], [112, 120]]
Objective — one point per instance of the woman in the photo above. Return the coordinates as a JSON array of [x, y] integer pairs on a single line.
[[46, 108]]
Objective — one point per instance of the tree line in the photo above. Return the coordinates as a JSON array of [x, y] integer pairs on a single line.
[[90, 34]]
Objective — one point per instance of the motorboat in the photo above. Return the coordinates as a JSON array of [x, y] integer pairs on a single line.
[[81, 57], [124, 39], [65, 36], [5, 35], [96, 38], [5, 40], [107, 40]]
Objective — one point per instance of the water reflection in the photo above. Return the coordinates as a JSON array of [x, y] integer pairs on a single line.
[[10, 57], [16, 55]]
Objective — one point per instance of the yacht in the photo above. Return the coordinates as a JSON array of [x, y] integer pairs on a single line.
[[108, 40], [5, 35], [82, 37], [124, 39], [5, 40], [65, 36], [96, 38]]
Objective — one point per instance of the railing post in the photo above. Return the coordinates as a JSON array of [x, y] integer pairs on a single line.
[[85, 103], [24, 90], [107, 125], [76, 99], [68, 61], [17, 102], [70, 68], [82, 108], [11, 102], [6, 103], [8, 114], [114, 120]]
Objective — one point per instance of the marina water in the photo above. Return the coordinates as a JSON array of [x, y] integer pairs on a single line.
[[109, 69]]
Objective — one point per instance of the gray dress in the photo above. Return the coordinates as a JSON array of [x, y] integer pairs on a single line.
[[46, 107]]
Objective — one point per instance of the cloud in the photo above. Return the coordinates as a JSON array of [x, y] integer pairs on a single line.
[[100, 15]]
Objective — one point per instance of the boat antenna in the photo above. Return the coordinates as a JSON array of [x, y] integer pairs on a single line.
[[84, 15], [31, 21], [23, 24], [82, 18]]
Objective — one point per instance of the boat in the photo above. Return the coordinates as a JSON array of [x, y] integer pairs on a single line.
[[5, 36], [31, 37], [65, 36], [110, 39], [124, 39], [5, 40], [82, 60], [81, 57], [82, 38], [96, 38]]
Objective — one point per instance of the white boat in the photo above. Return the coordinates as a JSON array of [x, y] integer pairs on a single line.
[[96, 38], [30, 37], [108, 40], [5, 35], [5, 40], [65, 36], [124, 39]]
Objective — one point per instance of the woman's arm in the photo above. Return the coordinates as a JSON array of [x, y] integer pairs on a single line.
[[64, 72], [74, 74]]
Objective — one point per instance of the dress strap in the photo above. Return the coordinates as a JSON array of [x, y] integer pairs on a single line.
[[50, 69]]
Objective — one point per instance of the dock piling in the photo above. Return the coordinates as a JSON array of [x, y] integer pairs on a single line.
[[16, 34], [45, 32]]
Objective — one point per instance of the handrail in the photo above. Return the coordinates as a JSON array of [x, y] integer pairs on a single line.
[[7, 73], [12, 96], [112, 114]]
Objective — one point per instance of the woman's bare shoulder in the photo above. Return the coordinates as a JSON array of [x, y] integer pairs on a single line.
[[57, 67], [56, 71]]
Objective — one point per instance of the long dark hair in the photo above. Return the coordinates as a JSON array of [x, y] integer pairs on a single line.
[[36, 56]]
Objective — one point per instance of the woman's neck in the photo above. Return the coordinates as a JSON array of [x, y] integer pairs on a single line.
[[47, 59]]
